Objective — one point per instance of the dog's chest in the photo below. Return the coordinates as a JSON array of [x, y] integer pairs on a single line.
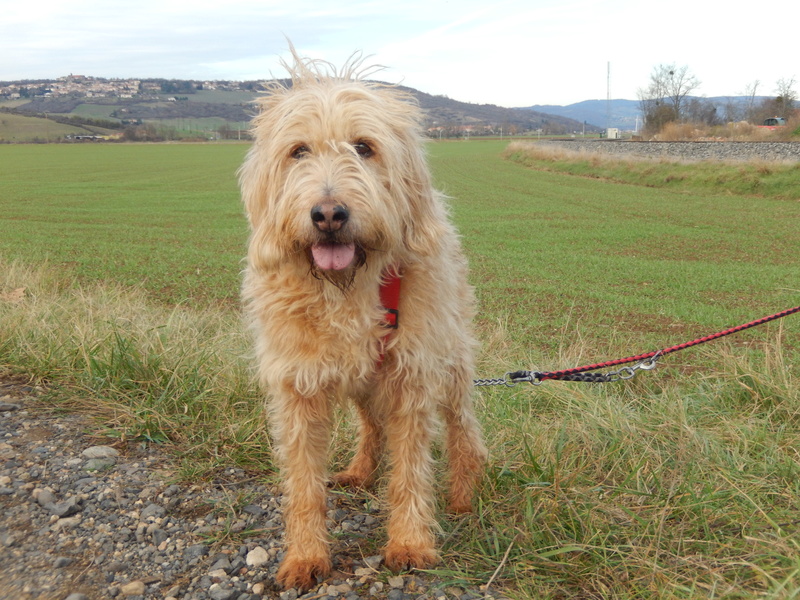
[[334, 327]]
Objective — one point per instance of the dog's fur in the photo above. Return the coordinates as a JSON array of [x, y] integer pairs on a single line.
[[337, 192]]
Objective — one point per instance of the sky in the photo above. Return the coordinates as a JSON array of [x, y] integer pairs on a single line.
[[512, 53]]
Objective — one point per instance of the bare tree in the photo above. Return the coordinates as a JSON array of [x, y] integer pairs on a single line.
[[664, 99], [787, 96], [679, 83], [750, 91]]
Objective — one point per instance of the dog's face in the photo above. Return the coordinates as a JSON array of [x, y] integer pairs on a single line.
[[337, 177]]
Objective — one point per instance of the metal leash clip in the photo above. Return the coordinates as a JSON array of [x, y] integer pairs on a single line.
[[626, 373], [512, 378]]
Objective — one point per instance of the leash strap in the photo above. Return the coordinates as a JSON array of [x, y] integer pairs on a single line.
[[644, 361]]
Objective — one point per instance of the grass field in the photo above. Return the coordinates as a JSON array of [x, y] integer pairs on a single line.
[[682, 483], [18, 128]]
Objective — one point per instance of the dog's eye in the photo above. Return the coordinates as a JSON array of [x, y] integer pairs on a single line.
[[300, 151], [363, 149]]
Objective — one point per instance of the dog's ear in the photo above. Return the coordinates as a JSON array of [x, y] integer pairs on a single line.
[[422, 233], [256, 180], [409, 175]]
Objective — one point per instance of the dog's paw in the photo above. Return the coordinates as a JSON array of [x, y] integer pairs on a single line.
[[459, 506], [352, 479], [402, 557], [303, 573]]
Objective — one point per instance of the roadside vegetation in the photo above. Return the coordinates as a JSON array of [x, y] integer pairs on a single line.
[[761, 178], [119, 275], [740, 131]]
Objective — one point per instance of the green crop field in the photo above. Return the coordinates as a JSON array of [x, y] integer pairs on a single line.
[[119, 276], [18, 128], [165, 217]]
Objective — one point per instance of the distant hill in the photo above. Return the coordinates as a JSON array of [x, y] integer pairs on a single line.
[[624, 114], [441, 111], [196, 110]]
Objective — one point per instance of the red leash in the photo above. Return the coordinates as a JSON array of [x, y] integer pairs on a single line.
[[646, 361]]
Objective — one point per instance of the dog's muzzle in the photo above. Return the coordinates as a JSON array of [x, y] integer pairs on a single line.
[[330, 219]]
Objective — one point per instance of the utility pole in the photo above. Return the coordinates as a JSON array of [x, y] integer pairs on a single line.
[[608, 96]]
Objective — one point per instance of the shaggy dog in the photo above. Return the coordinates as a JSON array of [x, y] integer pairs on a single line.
[[339, 200]]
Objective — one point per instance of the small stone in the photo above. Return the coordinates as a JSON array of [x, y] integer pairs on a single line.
[[339, 590], [8, 407], [257, 557], [258, 588], [196, 551], [134, 588], [238, 526], [100, 452], [115, 567], [221, 592], [373, 562], [376, 588], [159, 537], [43, 497], [61, 562], [221, 564], [396, 581], [173, 591], [253, 509], [395, 594], [68, 507], [77, 597], [153, 510], [289, 594], [99, 464]]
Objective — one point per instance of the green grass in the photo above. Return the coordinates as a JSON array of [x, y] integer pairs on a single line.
[[551, 253], [681, 483], [164, 217]]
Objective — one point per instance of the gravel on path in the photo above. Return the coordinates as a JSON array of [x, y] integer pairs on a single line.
[[84, 520]]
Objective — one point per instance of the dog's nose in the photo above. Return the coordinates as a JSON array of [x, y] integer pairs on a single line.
[[329, 217]]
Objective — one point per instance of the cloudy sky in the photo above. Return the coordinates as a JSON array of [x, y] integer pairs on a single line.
[[505, 52]]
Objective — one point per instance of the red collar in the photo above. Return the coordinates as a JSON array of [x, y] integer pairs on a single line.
[[390, 299], [390, 296]]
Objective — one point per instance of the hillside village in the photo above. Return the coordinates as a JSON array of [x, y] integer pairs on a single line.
[[98, 87]]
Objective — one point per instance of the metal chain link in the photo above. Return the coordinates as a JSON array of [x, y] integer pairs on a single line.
[[626, 373], [512, 378]]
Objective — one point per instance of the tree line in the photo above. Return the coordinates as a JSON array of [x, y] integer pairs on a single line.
[[667, 98]]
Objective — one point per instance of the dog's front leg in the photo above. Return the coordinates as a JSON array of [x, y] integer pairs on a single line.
[[409, 433], [302, 432]]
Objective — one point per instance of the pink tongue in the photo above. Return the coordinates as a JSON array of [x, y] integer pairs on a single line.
[[333, 256]]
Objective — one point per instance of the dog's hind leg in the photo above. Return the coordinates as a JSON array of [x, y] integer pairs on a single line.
[[465, 449], [362, 469], [303, 436]]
